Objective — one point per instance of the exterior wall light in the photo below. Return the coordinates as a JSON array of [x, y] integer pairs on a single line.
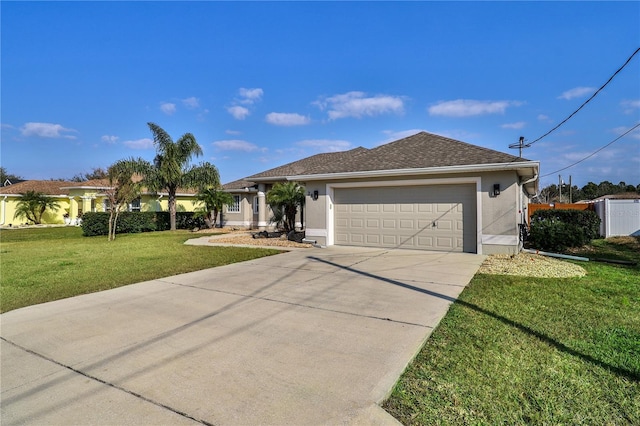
[[315, 195], [496, 189]]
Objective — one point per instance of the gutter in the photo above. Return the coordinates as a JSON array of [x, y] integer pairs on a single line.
[[403, 172]]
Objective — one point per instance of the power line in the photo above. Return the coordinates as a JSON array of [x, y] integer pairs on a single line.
[[587, 101], [595, 152]]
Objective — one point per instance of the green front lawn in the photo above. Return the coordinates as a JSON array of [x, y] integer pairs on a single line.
[[42, 264], [516, 350]]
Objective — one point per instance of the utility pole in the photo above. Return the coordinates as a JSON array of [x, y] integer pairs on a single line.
[[570, 190], [560, 188]]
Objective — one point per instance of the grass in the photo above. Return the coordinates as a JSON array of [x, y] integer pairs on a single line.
[[515, 350], [43, 264]]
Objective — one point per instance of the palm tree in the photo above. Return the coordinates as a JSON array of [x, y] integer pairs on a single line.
[[213, 199], [172, 170], [32, 206], [125, 181], [286, 197]]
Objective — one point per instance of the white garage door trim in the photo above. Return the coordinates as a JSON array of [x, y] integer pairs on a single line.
[[413, 182]]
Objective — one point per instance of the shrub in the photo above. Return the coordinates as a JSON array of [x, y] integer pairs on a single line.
[[557, 230], [135, 222]]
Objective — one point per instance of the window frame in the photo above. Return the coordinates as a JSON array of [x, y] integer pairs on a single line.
[[236, 206]]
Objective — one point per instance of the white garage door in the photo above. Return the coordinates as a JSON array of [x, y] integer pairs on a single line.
[[434, 217]]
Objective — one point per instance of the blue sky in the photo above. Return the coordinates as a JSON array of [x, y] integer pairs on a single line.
[[261, 84]]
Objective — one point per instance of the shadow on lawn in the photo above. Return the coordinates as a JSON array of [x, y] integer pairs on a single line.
[[632, 375]]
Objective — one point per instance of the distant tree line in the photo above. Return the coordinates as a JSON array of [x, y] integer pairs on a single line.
[[591, 191]]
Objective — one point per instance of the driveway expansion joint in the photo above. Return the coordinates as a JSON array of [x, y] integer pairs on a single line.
[[267, 299]]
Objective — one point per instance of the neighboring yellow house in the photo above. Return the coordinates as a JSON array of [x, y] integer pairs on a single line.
[[75, 198]]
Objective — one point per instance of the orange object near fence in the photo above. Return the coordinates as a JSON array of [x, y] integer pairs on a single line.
[[532, 208]]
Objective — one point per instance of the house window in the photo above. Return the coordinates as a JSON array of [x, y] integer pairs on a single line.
[[256, 205], [135, 205], [106, 205], [235, 207]]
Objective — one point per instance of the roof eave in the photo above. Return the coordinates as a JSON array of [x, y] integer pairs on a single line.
[[524, 168]]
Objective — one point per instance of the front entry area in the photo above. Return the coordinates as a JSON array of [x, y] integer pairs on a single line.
[[429, 217]]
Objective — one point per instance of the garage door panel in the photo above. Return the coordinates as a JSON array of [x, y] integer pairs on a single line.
[[373, 223], [389, 224], [357, 223], [406, 224], [437, 217], [445, 224]]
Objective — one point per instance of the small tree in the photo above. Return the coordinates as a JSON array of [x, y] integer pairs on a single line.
[[286, 197], [32, 206], [213, 199], [125, 180]]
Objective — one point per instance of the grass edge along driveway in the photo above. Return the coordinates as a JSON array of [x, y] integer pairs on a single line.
[[43, 264], [521, 350]]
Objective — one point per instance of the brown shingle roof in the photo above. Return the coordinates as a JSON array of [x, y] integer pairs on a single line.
[[238, 184], [422, 150], [48, 187]]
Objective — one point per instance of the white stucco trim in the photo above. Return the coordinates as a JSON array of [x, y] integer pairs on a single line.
[[246, 223], [472, 168], [316, 232], [477, 180], [500, 240]]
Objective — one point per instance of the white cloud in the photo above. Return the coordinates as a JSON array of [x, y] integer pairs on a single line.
[[144, 143], [191, 103], [236, 145], [287, 119], [516, 125], [358, 104], [630, 106], [461, 135], [325, 145], [238, 112], [46, 130], [233, 132], [6, 126], [622, 129], [109, 139], [543, 117], [249, 96], [168, 108], [470, 107], [576, 92]]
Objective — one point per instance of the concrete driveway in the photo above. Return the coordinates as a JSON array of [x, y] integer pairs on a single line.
[[315, 336]]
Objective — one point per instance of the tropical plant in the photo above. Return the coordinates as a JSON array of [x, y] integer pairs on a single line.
[[4, 176], [125, 184], [213, 199], [172, 170], [286, 197], [32, 206], [96, 173]]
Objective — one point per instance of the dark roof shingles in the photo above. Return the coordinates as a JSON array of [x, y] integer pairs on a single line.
[[422, 150]]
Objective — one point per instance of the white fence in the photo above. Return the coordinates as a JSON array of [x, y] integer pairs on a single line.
[[619, 217]]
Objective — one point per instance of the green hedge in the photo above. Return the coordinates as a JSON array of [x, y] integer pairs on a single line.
[[557, 230], [134, 222]]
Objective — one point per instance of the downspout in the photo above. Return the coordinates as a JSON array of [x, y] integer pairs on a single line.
[[4, 210], [533, 179], [525, 213]]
